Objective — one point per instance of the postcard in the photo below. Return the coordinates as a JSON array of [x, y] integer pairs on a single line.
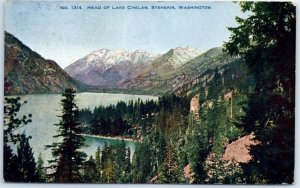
[[175, 92]]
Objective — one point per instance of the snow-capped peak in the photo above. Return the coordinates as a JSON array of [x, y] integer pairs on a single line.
[[187, 51], [183, 55], [113, 57]]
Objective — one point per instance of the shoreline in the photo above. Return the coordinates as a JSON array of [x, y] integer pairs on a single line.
[[110, 137]]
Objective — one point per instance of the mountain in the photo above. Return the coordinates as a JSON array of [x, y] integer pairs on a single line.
[[113, 68], [105, 67], [161, 77], [175, 58], [179, 70], [28, 72]]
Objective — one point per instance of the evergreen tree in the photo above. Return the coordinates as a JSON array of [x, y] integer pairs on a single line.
[[169, 172], [25, 161], [218, 125], [98, 164], [119, 156], [223, 172], [109, 172], [104, 159], [180, 154], [216, 86], [141, 163], [197, 148], [266, 41], [10, 166], [90, 171], [68, 159], [127, 174], [41, 170], [12, 123], [157, 149], [108, 167]]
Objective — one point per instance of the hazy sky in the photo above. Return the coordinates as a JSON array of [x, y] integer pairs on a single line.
[[67, 35]]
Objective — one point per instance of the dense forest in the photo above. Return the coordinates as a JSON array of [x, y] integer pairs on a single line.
[[128, 119], [182, 138]]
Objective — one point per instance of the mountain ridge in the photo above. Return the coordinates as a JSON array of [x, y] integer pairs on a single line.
[[179, 70], [26, 71], [104, 67], [181, 79], [109, 68]]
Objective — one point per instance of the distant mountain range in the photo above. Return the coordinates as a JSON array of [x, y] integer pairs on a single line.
[[166, 75], [106, 68], [111, 68], [27, 72], [145, 72], [179, 70]]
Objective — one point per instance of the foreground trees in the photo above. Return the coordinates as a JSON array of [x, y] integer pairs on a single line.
[[20, 166], [25, 161], [266, 40], [198, 148], [68, 159]]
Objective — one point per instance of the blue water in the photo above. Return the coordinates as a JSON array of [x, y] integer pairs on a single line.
[[45, 109], [95, 142]]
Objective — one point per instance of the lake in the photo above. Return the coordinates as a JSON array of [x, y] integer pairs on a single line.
[[46, 107]]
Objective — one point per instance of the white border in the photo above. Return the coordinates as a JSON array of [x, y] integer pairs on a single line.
[[24, 185]]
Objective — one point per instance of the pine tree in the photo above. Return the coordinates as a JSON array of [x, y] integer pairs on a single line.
[[68, 159], [223, 172], [216, 87], [10, 172], [105, 154], [90, 171], [108, 164], [109, 172], [157, 149], [181, 154], [266, 40], [169, 172], [41, 170], [25, 161], [119, 156], [12, 123], [197, 148], [141, 163], [98, 164], [218, 125], [127, 174]]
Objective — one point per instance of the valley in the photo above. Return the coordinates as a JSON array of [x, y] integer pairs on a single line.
[[136, 101], [223, 115]]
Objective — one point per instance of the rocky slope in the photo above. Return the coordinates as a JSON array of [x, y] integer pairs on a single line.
[[239, 150], [161, 77], [27, 72], [106, 68], [121, 69]]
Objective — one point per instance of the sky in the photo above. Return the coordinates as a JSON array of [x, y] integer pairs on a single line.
[[66, 35]]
